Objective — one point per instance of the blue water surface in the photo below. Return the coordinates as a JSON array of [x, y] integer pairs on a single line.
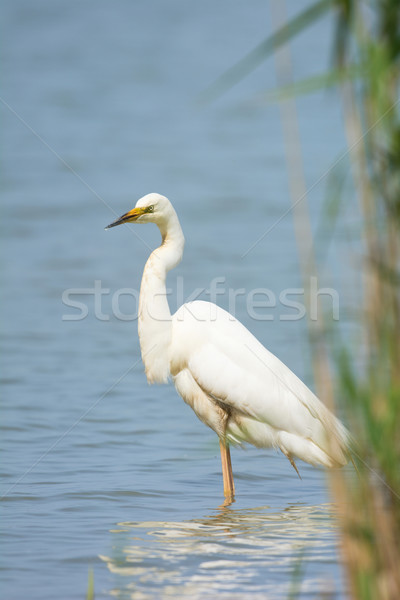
[[99, 470]]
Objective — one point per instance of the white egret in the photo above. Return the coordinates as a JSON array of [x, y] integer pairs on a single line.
[[231, 381]]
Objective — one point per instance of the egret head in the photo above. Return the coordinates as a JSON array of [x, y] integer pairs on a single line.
[[152, 208]]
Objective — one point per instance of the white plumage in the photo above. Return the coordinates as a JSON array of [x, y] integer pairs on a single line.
[[231, 381]]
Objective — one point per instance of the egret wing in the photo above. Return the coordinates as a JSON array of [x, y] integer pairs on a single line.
[[231, 366], [264, 398]]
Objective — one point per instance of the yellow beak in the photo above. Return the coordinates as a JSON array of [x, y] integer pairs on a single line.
[[128, 217]]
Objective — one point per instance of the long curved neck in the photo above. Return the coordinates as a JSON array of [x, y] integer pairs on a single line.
[[154, 323]]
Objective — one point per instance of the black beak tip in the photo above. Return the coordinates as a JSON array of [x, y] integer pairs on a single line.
[[113, 224]]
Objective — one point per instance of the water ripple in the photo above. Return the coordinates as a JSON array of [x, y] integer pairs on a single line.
[[229, 554]]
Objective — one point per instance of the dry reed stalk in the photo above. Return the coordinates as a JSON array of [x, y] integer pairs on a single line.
[[305, 247]]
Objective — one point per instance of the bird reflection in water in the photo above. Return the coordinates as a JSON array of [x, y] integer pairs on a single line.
[[231, 552]]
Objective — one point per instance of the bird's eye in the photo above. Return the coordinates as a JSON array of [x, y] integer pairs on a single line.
[[150, 208]]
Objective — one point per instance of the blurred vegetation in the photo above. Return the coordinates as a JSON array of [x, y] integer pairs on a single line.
[[90, 588], [369, 35], [366, 70]]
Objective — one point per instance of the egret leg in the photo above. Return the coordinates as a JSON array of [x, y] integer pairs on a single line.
[[227, 475]]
